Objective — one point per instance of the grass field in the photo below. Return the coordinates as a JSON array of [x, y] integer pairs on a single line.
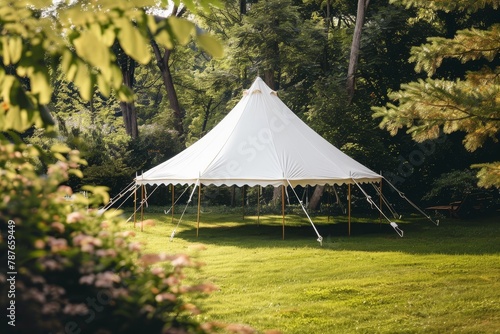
[[436, 279]]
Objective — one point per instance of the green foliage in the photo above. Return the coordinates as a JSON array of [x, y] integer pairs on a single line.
[[79, 36], [452, 186], [446, 5], [76, 268], [467, 103]]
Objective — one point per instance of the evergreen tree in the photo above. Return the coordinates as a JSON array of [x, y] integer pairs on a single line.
[[462, 100]]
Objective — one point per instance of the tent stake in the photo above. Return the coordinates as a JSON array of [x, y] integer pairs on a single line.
[[198, 216], [283, 208], [135, 204], [142, 206], [349, 209]]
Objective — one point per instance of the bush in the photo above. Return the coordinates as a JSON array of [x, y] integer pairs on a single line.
[[77, 271]]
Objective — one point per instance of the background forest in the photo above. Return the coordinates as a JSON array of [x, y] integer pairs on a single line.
[[305, 50], [302, 49]]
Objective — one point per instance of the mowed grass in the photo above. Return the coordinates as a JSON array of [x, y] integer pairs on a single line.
[[436, 279]]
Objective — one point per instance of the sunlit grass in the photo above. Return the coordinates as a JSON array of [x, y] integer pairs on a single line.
[[437, 279]]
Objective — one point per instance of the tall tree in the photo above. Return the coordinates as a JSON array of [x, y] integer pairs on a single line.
[[467, 102], [162, 56], [127, 66], [356, 46]]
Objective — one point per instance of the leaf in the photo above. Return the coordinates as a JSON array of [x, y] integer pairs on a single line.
[[59, 156], [83, 81], [163, 38], [15, 48], [40, 84], [5, 49], [60, 148], [181, 28], [103, 85], [211, 45], [78, 173], [90, 48], [125, 94], [132, 42]]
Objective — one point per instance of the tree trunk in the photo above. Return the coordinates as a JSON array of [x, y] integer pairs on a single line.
[[316, 197], [127, 66], [243, 7], [162, 63], [355, 47], [168, 82]]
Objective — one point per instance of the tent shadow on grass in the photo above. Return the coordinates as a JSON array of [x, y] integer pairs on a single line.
[[452, 237]]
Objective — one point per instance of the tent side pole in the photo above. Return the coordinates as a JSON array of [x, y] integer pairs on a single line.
[[381, 203], [243, 201], [329, 203], [349, 209], [283, 208], [142, 206], [135, 205], [173, 200], [198, 215], [258, 205]]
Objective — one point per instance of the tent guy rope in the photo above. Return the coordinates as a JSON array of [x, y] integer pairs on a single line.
[[197, 184], [373, 204], [320, 238]]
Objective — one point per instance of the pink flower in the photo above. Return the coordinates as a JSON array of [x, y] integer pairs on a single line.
[[75, 309], [158, 271], [39, 244], [50, 308], [119, 292], [106, 279], [50, 264], [87, 279], [134, 246], [181, 260], [74, 217], [166, 296], [106, 252], [58, 227], [57, 245], [171, 281], [126, 234]]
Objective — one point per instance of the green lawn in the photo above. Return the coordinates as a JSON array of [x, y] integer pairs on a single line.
[[437, 279]]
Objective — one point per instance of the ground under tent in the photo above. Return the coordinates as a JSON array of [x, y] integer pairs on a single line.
[[261, 142]]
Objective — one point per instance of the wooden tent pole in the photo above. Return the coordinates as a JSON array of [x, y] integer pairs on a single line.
[[173, 200], [349, 209], [142, 206], [283, 208], [135, 205], [198, 216], [258, 205], [381, 203], [243, 200]]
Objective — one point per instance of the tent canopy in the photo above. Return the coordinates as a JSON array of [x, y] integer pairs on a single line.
[[260, 142]]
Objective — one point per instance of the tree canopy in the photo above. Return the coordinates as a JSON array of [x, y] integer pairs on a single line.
[[453, 102]]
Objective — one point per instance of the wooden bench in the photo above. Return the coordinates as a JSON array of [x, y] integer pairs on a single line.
[[471, 202]]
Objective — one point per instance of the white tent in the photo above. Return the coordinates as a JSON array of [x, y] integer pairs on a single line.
[[260, 142]]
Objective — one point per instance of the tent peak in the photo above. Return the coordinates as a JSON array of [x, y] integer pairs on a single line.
[[259, 86]]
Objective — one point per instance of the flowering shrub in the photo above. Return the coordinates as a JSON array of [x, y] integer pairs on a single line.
[[77, 272]]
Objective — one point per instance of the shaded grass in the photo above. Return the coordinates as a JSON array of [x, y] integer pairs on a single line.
[[434, 280]]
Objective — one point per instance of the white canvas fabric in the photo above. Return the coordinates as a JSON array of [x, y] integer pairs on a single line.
[[260, 142]]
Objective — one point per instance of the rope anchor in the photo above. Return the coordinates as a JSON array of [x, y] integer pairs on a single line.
[[397, 229]]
